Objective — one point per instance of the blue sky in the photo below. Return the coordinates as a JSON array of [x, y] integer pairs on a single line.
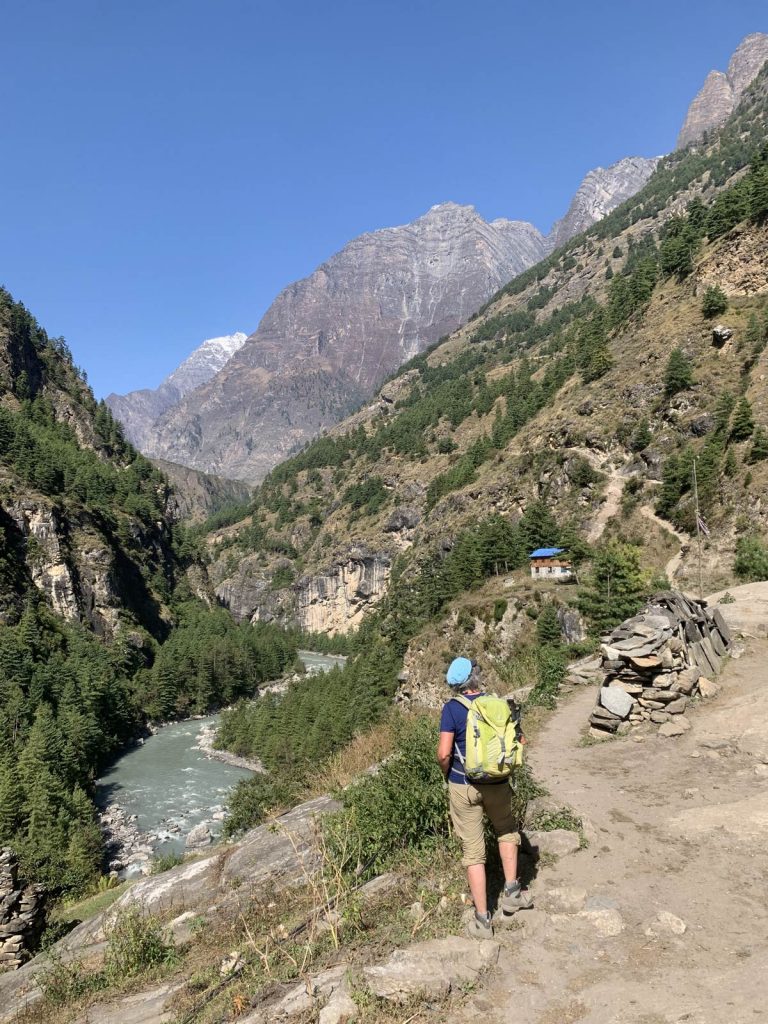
[[167, 166]]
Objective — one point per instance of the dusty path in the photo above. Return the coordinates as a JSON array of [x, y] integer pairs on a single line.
[[611, 505], [674, 563], [674, 825]]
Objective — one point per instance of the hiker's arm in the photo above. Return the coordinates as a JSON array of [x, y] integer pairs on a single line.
[[444, 751]]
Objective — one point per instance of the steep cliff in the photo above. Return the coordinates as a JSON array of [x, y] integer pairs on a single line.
[[138, 410], [602, 190], [84, 519], [721, 93], [327, 341]]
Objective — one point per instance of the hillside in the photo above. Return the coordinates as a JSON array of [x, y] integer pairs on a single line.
[[105, 608], [554, 393]]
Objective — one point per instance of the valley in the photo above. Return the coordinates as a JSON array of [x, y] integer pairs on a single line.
[[227, 606]]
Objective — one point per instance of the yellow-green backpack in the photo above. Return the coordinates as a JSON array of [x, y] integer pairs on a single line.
[[493, 749]]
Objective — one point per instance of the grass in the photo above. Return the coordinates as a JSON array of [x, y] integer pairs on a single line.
[[87, 907]]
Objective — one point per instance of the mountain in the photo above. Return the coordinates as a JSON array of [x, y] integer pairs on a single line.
[[721, 92], [602, 190], [201, 495], [552, 405], [328, 340], [138, 410]]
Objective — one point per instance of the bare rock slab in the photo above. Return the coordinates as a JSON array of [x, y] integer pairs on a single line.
[[433, 968]]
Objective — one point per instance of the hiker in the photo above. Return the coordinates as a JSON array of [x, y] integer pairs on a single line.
[[470, 800]]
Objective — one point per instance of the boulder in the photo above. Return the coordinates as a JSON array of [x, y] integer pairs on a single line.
[[708, 688], [199, 836], [665, 923], [557, 842], [720, 335]]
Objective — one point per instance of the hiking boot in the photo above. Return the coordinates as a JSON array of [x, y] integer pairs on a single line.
[[480, 927], [513, 899]]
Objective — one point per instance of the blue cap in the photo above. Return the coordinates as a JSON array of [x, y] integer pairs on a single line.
[[458, 672]]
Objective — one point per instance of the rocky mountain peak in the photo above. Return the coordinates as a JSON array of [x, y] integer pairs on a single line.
[[138, 410], [721, 92], [602, 190], [329, 340]]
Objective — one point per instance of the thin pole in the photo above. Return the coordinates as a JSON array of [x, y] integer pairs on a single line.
[[698, 527]]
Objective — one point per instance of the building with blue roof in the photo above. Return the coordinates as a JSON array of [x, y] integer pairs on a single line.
[[550, 563]]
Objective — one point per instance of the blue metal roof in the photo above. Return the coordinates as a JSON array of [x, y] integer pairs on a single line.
[[545, 552]]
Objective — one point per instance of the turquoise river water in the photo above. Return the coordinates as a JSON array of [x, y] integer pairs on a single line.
[[171, 785]]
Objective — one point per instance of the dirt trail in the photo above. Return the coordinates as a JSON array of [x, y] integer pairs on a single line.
[[611, 505], [683, 540], [673, 825]]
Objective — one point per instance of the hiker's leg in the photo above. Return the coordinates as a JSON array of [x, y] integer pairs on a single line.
[[467, 816], [497, 801], [477, 887], [508, 854]]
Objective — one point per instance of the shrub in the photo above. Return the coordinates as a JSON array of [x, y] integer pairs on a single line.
[[751, 561], [402, 806], [137, 943]]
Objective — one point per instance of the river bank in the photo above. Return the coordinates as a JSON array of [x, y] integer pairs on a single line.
[[205, 742]]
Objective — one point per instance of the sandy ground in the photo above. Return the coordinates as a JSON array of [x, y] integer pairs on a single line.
[[676, 825]]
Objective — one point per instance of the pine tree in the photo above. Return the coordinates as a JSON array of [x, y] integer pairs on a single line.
[[743, 421], [678, 375], [714, 303], [758, 197], [641, 436], [615, 588], [548, 631], [759, 449]]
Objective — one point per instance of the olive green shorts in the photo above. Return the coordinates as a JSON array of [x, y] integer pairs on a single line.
[[468, 805]]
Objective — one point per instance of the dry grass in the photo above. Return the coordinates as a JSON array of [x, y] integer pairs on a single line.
[[356, 758]]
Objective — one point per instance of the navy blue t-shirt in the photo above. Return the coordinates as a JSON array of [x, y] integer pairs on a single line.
[[454, 719]]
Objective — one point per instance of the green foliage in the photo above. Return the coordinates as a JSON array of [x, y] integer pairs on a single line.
[[714, 303], [743, 423], [550, 665], [401, 807], [367, 496], [138, 943], [678, 375], [751, 563], [641, 436], [548, 632], [759, 449], [615, 588]]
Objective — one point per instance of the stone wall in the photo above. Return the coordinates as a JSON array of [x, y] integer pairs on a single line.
[[655, 662], [22, 914]]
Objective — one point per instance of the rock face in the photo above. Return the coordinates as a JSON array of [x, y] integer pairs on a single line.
[[22, 914], [327, 341], [601, 191], [336, 601], [197, 494], [721, 93], [138, 410]]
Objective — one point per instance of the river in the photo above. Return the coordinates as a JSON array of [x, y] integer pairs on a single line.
[[155, 794]]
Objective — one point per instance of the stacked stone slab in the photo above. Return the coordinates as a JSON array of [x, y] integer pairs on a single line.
[[655, 662], [22, 914]]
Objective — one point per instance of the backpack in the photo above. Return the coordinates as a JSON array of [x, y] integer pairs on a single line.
[[493, 749]]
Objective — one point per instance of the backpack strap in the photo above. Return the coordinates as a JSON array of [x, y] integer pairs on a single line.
[[465, 703]]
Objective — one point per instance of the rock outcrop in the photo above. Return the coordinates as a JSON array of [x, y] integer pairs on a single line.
[[721, 92], [198, 495], [138, 410], [22, 914], [601, 191], [336, 601], [327, 341]]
